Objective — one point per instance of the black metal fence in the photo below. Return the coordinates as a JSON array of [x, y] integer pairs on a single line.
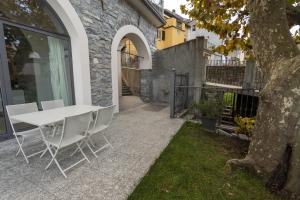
[[234, 101], [181, 93], [241, 102], [232, 84]]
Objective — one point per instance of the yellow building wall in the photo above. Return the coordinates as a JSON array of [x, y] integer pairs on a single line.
[[130, 48], [173, 35]]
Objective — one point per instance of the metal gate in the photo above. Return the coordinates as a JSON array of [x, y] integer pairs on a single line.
[[180, 92]]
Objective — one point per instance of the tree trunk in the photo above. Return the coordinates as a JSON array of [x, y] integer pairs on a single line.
[[274, 151]]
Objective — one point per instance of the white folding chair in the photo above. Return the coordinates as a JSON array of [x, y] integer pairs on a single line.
[[48, 105], [21, 133], [74, 132], [102, 121]]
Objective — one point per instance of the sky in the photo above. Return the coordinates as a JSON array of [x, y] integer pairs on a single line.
[[175, 4]]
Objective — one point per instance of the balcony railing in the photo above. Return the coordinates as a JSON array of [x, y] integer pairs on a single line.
[[130, 60]]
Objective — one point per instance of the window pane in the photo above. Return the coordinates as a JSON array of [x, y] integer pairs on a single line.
[[39, 66], [34, 13]]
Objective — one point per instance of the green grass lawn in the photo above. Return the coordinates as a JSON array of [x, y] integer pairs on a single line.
[[193, 167]]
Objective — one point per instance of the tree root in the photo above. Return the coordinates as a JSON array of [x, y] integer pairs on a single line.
[[246, 163]]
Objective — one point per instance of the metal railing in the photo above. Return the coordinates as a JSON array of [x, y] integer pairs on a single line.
[[236, 101], [130, 60], [226, 63], [234, 74], [227, 75], [233, 102]]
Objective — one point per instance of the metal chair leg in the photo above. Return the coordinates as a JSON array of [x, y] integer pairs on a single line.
[[82, 152], [20, 147], [52, 155], [55, 160], [91, 150], [44, 153], [76, 150], [54, 130], [108, 142], [91, 142]]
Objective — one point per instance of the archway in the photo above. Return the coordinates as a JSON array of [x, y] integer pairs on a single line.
[[80, 49], [137, 37]]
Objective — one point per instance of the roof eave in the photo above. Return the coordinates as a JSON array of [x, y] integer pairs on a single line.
[[155, 11], [147, 9]]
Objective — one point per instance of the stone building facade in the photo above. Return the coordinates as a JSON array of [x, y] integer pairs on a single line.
[[102, 20]]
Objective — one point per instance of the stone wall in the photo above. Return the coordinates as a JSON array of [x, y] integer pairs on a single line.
[[146, 85], [184, 58], [101, 24]]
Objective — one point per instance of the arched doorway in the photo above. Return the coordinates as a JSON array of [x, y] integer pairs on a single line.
[[133, 34]]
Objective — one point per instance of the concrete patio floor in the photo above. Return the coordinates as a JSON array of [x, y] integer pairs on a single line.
[[138, 135]]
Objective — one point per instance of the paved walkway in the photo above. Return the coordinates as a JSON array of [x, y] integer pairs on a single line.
[[138, 135], [129, 102]]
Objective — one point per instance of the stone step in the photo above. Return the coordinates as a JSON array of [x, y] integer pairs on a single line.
[[126, 90], [227, 127], [227, 122]]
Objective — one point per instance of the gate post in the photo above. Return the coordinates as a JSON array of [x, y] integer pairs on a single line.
[[172, 92]]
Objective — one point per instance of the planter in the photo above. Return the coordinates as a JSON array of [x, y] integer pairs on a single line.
[[209, 124]]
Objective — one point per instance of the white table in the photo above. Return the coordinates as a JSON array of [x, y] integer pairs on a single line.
[[52, 116], [47, 117]]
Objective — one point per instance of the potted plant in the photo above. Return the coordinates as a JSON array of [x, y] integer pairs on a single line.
[[210, 111]]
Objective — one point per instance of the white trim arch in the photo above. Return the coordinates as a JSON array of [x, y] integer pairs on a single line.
[[143, 49], [80, 49]]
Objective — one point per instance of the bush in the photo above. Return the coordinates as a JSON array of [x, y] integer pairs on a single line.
[[245, 125], [208, 108]]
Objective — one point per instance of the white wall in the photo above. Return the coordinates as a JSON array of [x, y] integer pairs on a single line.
[[210, 36], [212, 40]]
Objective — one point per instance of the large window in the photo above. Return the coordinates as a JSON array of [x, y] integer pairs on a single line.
[[39, 66], [35, 55]]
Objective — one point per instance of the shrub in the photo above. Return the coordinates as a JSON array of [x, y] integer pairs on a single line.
[[245, 125], [208, 108]]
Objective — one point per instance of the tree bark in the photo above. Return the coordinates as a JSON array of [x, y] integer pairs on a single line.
[[274, 151]]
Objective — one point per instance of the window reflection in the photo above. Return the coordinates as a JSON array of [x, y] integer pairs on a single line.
[[38, 65], [33, 13]]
